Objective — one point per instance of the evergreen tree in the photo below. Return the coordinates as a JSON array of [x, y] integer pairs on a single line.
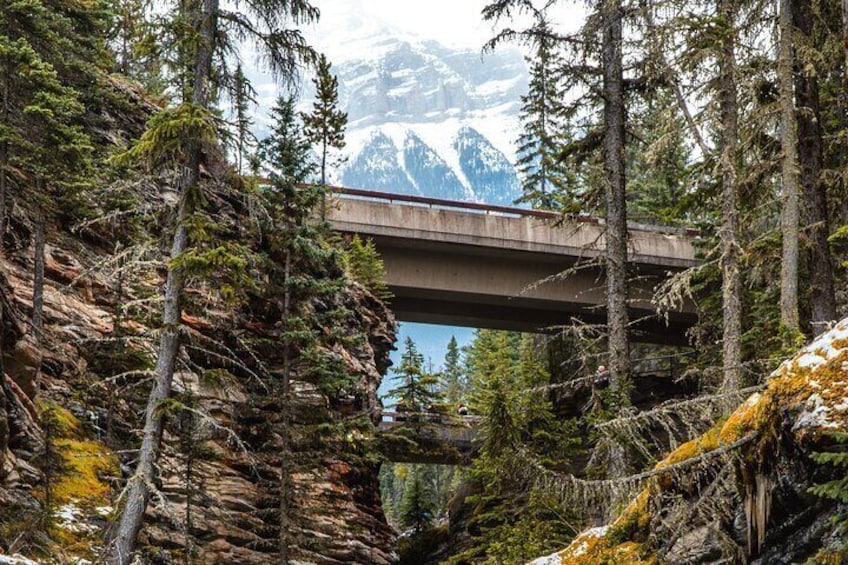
[[600, 93], [304, 275], [512, 521], [40, 119], [417, 389], [546, 181], [837, 488], [325, 125], [243, 96], [453, 376], [364, 265], [133, 37], [417, 509], [790, 176]]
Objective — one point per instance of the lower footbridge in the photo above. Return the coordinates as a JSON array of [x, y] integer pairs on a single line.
[[427, 437]]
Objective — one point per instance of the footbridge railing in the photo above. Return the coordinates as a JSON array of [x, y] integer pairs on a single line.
[[428, 437]]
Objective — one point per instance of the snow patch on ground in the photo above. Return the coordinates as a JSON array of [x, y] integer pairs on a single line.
[[815, 415], [547, 560], [70, 517], [16, 559]]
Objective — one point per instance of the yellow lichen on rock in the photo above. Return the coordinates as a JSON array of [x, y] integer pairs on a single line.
[[698, 446], [591, 547], [85, 466], [77, 485]]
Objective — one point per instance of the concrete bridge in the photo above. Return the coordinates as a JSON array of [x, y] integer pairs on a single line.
[[469, 264]]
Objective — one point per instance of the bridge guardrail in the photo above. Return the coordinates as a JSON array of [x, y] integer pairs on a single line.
[[492, 208]]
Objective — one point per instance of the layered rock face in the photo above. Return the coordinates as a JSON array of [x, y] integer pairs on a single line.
[[219, 470], [740, 493], [72, 401]]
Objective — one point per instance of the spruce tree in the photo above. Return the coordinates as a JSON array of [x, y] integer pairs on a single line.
[[453, 377], [325, 125], [546, 180], [363, 265], [304, 275], [417, 389], [512, 521], [243, 97], [417, 508]]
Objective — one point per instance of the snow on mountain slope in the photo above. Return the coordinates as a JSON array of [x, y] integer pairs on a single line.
[[415, 105]]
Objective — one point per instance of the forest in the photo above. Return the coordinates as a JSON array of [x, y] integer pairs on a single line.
[[190, 356]]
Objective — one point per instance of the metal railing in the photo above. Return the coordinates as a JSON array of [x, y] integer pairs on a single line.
[[445, 203], [392, 197]]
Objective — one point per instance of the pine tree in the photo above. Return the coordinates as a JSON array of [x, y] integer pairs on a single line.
[[243, 96], [303, 271], [132, 34], [417, 389], [364, 265], [40, 131], [837, 488], [512, 521], [729, 230], [790, 173], [601, 39], [546, 180], [453, 376], [325, 125], [417, 509]]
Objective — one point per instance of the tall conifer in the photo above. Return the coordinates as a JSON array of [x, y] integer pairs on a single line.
[[179, 137], [325, 125]]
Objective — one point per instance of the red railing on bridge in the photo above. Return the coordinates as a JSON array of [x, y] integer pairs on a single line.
[[490, 208], [445, 203]]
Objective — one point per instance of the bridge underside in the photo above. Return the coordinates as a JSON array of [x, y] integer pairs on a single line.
[[513, 271], [440, 283], [426, 442]]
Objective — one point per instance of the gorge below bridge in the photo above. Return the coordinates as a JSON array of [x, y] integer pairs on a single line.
[[469, 264]]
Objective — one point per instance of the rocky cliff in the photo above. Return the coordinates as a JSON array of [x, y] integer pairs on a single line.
[[72, 398], [740, 493]]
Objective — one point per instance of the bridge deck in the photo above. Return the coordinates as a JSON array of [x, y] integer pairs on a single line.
[[421, 437], [480, 266]]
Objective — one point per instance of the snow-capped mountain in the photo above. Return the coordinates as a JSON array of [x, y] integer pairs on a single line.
[[423, 118]]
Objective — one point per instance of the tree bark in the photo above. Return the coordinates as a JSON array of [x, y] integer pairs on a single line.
[[790, 209], [729, 230], [140, 485], [285, 423], [616, 206], [810, 157], [38, 265], [844, 98], [4, 163]]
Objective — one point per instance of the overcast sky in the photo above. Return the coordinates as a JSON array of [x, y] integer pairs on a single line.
[[456, 23]]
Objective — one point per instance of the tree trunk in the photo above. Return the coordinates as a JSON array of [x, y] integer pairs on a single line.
[[616, 206], [38, 263], [789, 213], [285, 423], [138, 490], [810, 158], [324, 178], [844, 98], [729, 230], [4, 163]]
